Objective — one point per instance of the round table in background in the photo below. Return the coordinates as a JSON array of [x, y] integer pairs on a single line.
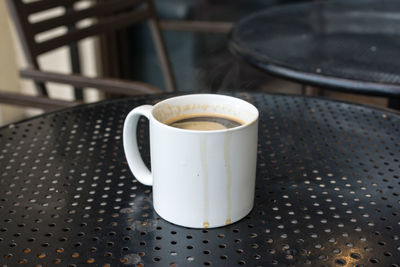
[[350, 46], [327, 191]]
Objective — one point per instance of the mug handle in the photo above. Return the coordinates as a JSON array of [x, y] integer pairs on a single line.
[[133, 157]]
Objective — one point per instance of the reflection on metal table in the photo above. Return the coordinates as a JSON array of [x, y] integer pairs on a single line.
[[349, 46], [327, 191]]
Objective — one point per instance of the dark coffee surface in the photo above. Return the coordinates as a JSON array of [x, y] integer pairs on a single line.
[[205, 123]]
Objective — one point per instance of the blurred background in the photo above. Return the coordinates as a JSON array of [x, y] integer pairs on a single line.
[[200, 60]]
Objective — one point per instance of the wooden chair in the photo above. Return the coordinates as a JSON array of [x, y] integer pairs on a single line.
[[107, 15]]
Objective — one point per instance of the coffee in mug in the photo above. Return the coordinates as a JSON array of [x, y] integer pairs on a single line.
[[204, 122]]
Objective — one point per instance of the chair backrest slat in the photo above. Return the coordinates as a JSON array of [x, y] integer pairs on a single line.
[[38, 6], [72, 17], [104, 25], [108, 15]]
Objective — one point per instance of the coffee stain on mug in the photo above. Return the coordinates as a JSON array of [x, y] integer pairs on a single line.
[[203, 157], [227, 150]]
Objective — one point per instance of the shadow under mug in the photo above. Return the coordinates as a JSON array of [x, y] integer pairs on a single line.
[[200, 179]]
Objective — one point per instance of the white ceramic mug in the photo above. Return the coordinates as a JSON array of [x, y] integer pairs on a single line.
[[200, 179]]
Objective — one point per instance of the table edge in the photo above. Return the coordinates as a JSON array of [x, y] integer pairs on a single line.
[[102, 102], [327, 82]]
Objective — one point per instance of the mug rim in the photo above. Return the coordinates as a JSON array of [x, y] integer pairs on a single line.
[[237, 128]]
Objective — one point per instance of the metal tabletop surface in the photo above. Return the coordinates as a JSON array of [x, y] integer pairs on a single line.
[[342, 45], [327, 191]]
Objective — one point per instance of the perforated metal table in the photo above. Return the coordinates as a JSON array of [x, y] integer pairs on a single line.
[[342, 45], [327, 192]]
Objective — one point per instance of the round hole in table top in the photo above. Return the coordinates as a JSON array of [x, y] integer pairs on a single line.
[[327, 192]]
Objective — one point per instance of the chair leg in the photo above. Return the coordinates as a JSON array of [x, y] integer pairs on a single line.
[[74, 58], [311, 90], [316, 91], [394, 103], [41, 89], [303, 89], [162, 55]]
